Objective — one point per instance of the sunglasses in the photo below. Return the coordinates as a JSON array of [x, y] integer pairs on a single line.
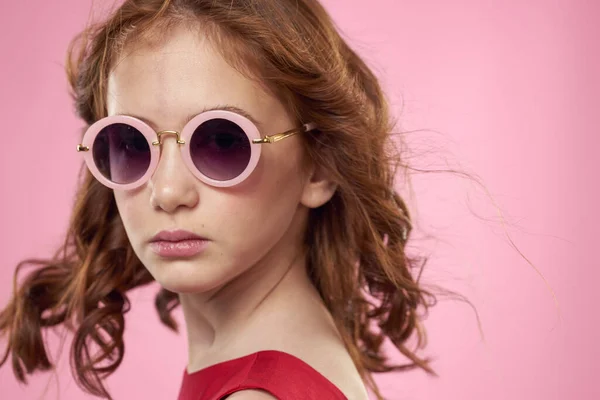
[[220, 147]]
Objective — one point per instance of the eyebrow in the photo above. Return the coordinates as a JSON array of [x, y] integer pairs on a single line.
[[226, 107]]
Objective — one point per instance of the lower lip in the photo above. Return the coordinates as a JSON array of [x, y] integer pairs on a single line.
[[182, 248]]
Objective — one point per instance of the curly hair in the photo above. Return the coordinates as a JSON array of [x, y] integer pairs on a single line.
[[357, 256]]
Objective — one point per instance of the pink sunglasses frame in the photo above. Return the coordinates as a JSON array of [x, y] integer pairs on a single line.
[[183, 137]]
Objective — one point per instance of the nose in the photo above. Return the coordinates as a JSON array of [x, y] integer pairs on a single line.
[[172, 184]]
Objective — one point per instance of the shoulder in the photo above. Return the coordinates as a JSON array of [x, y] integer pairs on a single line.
[[251, 394]]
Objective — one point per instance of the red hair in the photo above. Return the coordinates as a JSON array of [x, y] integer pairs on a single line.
[[295, 51]]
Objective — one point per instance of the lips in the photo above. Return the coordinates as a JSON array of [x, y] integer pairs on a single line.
[[178, 244], [175, 236]]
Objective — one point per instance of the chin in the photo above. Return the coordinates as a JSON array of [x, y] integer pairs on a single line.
[[182, 287], [185, 276]]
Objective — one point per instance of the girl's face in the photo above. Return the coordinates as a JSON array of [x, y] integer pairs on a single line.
[[248, 224]]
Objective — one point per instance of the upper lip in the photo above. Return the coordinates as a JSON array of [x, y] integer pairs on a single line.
[[175, 236]]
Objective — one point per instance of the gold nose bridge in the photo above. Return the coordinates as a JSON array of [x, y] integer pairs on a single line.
[[159, 134]]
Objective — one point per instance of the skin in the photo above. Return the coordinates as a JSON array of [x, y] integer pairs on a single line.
[[248, 290]]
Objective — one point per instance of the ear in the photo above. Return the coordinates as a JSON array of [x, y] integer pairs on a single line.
[[318, 188]]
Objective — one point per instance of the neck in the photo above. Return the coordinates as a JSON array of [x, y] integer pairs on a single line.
[[220, 321]]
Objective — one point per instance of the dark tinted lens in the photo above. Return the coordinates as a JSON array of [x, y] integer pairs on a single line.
[[220, 149], [121, 153]]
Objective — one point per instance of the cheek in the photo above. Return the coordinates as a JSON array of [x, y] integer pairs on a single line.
[[131, 211], [258, 218]]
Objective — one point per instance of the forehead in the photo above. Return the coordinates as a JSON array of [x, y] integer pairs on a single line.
[[168, 82]]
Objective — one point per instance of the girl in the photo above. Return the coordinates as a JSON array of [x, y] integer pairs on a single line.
[[239, 154]]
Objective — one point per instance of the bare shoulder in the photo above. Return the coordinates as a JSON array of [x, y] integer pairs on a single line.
[[251, 394], [337, 366]]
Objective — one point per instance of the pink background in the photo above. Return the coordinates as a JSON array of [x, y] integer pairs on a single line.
[[505, 88]]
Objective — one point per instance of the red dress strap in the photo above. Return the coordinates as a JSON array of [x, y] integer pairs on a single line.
[[281, 374]]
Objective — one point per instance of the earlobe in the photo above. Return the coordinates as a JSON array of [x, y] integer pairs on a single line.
[[318, 189], [317, 193]]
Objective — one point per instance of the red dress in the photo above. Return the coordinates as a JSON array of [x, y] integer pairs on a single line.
[[281, 374]]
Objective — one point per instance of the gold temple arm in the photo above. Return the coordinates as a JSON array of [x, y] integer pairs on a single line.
[[280, 136]]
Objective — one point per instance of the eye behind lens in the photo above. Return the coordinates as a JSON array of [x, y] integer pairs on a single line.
[[220, 149], [121, 153]]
